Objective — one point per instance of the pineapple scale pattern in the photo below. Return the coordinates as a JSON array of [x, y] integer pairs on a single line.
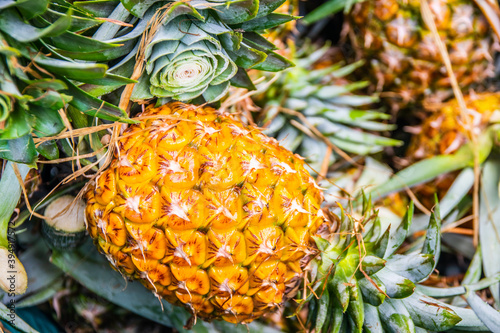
[[206, 212]]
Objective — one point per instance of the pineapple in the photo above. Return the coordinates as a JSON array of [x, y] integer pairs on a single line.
[[205, 212], [443, 132], [191, 50], [216, 216], [402, 54]]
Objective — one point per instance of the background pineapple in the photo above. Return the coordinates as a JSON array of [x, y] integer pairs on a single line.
[[403, 58], [444, 130]]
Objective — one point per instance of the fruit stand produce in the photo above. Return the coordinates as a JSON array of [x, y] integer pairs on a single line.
[[249, 166]]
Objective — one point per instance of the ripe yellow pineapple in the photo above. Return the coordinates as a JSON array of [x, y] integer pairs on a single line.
[[206, 212], [444, 131], [403, 56]]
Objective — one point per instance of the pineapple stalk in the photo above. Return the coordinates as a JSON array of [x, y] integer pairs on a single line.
[[64, 225]]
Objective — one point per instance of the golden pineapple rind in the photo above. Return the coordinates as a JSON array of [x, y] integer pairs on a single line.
[[206, 212]]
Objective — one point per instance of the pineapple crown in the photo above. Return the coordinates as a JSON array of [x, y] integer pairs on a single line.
[[192, 49], [361, 283], [316, 98]]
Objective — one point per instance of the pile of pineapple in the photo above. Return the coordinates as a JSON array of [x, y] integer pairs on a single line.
[[260, 165]]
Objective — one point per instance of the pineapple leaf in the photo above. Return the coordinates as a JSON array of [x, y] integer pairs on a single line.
[[216, 92], [258, 40], [111, 80], [266, 22], [330, 92], [78, 23], [339, 284], [138, 7], [273, 63], [396, 286], [237, 12], [372, 322], [20, 150], [12, 24], [48, 122], [488, 315], [356, 309], [457, 291], [323, 306], [70, 41], [95, 107], [48, 149], [268, 6], [420, 172], [415, 267], [32, 8], [430, 314], [18, 124], [72, 70], [20, 324], [441, 292], [399, 235], [328, 8], [247, 57], [104, 55], [382, 243], [489, 221], [432, 167], [98, 8], [474, 272], [470, 321], [432, 243], [10, 193], [372, 264], [458, 190], [395, 317], [371, 293]]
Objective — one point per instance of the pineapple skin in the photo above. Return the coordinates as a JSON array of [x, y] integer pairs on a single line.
[[405, 61], [206, 212]]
